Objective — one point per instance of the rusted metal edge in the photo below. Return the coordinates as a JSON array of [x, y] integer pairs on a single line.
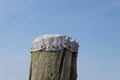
[[54, 42]]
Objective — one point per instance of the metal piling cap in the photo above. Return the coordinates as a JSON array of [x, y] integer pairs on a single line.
[[54, 42]]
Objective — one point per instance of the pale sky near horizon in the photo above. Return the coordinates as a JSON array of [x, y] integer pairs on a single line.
[[95, 24]]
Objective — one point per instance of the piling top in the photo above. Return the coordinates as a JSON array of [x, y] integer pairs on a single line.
[[54, 42]]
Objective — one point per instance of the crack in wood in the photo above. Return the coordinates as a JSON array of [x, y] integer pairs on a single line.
[[61, 63]]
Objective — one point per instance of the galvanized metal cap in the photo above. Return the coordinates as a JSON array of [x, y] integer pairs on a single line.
[[54, 42]]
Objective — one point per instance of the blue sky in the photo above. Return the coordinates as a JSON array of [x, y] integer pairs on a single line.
[[94, 23]]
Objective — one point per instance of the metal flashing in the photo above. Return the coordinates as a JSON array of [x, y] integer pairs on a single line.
[[54, 42]]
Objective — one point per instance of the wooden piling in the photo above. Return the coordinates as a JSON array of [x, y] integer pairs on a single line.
[[54, 57]]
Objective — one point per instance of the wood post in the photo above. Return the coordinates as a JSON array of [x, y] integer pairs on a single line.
[[54, 57]]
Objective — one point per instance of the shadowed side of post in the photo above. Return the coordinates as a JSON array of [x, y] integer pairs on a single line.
[[53, 57]]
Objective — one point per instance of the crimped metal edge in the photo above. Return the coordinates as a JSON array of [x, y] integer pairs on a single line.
[[54, 42]]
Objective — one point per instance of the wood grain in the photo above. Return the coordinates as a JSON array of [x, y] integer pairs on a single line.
[[57, 65]]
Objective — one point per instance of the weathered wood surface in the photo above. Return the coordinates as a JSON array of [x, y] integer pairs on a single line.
[[73, 71], [51, 65]]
